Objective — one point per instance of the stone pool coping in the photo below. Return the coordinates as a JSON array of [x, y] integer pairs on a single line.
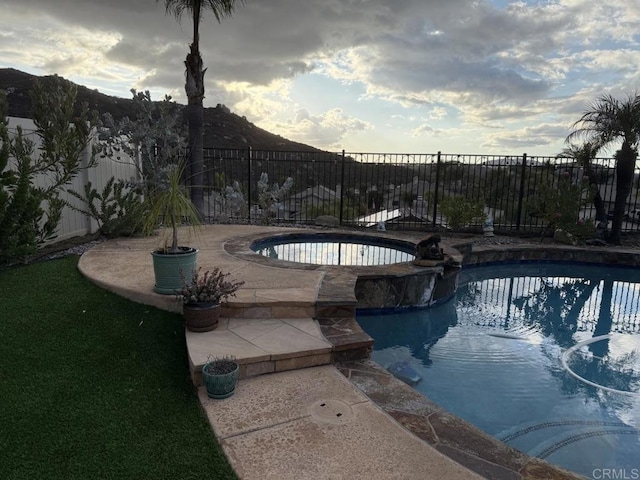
[[448, 434], [544, 252]]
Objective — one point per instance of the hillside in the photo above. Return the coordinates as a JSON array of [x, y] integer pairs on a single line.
[[223, 129]]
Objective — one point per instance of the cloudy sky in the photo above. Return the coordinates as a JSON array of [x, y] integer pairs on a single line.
[[460, 76]]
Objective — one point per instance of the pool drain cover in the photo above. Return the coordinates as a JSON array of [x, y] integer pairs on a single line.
[[336, 412]]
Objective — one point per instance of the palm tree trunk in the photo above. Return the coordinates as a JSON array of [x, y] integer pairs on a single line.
[[598, 202], [194, 88], [625, 165]]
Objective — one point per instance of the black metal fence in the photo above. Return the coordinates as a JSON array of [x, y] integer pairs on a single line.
[[404, 191]]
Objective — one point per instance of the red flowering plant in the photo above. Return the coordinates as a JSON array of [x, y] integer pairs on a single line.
[[211, 287]]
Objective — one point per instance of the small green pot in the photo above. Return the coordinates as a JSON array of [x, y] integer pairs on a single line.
[[220, 377]]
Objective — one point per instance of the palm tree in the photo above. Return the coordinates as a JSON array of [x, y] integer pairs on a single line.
[[194, 85], [606, 121]]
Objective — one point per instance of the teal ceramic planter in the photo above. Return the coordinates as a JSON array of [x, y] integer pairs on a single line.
[[168, 266], [220, 378]]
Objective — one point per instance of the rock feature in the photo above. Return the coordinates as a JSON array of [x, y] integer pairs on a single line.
[[429, 249], [561, 236], [429, 253]]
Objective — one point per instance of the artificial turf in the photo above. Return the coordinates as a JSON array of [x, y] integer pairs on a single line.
[[95, 386]]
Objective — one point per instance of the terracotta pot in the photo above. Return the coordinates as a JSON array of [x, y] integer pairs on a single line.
[[201, 317]]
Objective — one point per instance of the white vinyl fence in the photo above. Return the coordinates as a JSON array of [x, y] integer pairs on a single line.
[[73, 223]]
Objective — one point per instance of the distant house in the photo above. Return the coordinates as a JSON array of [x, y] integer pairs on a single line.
[[399, 216], [503, 162], [406, 194], [318, 197], [384, 216]]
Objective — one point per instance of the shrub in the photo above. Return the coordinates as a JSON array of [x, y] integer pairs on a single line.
[[118, 209], [157, 135], [559, 205], [234, 201], [461, 211], [269, 196], [351, 209], [30, 212]]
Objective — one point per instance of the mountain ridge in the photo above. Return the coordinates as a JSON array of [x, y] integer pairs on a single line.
[[222, 128]]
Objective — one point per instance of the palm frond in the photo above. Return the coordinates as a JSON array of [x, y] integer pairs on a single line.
[[219, 8], [582, 153], [607, 120]]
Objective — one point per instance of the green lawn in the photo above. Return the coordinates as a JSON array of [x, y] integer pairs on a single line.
[[95, 386]]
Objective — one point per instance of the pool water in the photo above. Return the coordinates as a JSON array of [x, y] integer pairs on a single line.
[[335, 252], [544, 357]]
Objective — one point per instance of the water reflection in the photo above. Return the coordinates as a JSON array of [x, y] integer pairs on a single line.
[[564, 309], [557, 305], [493, 357], [428, 327], [336, 253]]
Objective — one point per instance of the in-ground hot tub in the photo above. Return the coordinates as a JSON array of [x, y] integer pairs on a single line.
[[374, 270], [335, 249]]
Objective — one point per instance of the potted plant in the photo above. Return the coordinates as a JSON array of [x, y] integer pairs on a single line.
[[202, 295], [170, 206], [220, 376], [157, 138]]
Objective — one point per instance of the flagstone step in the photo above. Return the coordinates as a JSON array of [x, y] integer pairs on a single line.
[[268, 345]]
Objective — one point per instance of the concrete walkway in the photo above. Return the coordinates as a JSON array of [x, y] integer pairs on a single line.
[[314, 424]]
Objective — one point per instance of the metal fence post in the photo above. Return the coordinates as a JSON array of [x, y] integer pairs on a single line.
[[521, 193], [249, 183], [341, 187], [435, 195]]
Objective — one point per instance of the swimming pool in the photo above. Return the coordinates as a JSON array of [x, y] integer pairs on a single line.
[[335, 249], [543, 356]]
